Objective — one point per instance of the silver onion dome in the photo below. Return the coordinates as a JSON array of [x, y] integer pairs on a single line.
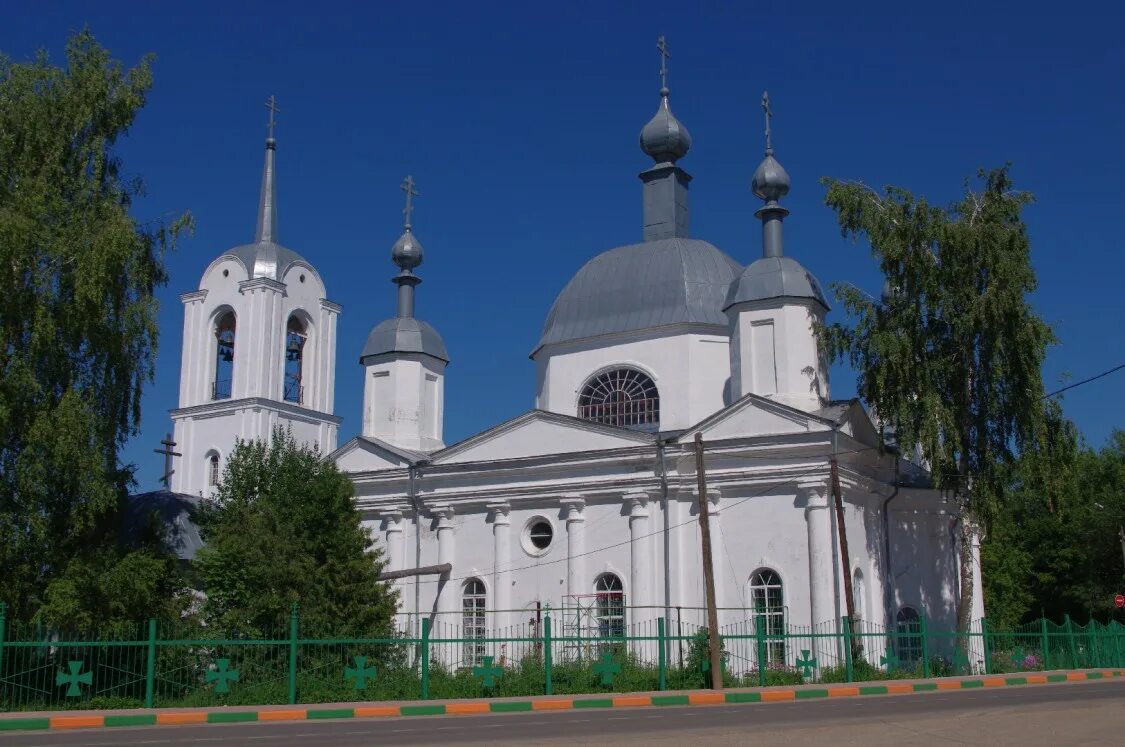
[[665, 138]]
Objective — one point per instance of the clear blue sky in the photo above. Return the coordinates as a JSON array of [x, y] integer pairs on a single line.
[[519, 122]]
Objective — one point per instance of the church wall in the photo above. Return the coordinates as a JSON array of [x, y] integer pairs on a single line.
[[774, 353], [690, 370]]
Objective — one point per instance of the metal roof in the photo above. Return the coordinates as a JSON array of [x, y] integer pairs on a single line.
[[404, 335], [642, 286], [174, 512], [775, 277], [266, 259]]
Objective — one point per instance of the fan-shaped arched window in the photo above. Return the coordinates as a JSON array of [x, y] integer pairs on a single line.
[[213, 469], [224, 356], [767, 599], [908, 636], [473, 605], [610, 606], [624, 397], [296, 335]]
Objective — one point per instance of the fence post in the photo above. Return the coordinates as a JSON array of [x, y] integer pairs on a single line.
[[662, 655], [293, 654], [983, 644], [849, 664], [547, 657], [1070, 642], [760, 636], [425, 658], [150, 664], [925, 644], [3, 631], [1043, 643]]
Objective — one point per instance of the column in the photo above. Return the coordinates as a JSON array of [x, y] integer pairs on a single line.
[[446, 594], [395, 538], [501, 563], [640, 563], [576, 581], [818, 522]]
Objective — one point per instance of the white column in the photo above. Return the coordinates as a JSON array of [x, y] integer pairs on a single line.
[[395, 539], [819, 526], [640, 564], [501, 563], [576, 581], [446, 601], [978, 584]]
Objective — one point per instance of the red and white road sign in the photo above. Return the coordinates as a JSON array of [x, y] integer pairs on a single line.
[[1119, 600]]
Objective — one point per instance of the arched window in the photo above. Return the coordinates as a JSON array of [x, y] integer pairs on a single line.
[[623, 397], [610, 606], [473, 605], [224, 356], [767, 599], [295, 337], [908, 636], [213, 469]]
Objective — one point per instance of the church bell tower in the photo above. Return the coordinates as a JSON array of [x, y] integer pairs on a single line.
[[259, 349]]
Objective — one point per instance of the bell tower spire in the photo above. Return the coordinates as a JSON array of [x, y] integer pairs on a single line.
[[267, 201]]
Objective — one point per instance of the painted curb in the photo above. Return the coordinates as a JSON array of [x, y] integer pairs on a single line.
[[779, 695]]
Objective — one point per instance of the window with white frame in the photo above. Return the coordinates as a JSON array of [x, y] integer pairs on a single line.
[[624, 397], [213, 469], [908, 636], [473, 620], [767, 600], [610, 611]]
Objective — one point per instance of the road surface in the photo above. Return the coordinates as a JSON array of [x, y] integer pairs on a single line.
[[1073, 713]]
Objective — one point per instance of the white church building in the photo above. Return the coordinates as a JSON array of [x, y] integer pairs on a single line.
[[588, 502]]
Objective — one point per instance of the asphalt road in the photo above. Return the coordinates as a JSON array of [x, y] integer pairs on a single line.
[[1075, 713]]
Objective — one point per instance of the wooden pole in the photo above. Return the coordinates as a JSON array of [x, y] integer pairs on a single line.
[[845, 559], [708, 569]]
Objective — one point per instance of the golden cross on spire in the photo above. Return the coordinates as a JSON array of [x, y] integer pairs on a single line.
[[271, 104], [407, 186], [769, 115], [662, 45]]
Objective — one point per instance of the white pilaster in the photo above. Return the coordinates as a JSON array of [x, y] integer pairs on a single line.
[[395, 539], [640, 565], [819, 527], [502, 562], [576, 582], [447, 602]]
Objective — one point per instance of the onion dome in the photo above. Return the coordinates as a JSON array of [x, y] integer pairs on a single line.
[[770, 182], [407, 251], [665, 138]]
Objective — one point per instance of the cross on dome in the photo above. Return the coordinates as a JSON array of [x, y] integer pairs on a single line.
[[662, 46], [407, 186], [271, 104], [769, 115]]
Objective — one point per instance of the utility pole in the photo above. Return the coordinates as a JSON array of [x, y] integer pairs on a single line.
[[845, 558], [708, 569]]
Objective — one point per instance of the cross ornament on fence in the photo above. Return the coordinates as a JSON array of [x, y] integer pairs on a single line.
[[607, 668], [1018, 656], [889, 660], [806, 663], [361, 673], [705, 666], [960, 660], [486, 672], [222, 676], [73, 679]]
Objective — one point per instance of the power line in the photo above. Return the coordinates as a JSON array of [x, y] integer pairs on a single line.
[[1084, 381]]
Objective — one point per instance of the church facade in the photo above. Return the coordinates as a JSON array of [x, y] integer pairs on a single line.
[[589, 502]]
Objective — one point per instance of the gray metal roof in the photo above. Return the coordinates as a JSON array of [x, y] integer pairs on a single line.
[[265, 259], [641, 286], [775, 277], [404, 335], [174, 512]]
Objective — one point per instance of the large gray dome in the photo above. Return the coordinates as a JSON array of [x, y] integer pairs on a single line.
[[775, 277], [404, 335], [641, 286]]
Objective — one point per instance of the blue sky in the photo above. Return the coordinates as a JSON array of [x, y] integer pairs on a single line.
[[519, 122]]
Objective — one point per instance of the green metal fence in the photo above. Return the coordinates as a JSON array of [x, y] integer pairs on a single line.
[[173, 664]]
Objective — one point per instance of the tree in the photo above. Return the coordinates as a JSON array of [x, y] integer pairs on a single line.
[[951, 360], [283, 529], [77, 340]]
